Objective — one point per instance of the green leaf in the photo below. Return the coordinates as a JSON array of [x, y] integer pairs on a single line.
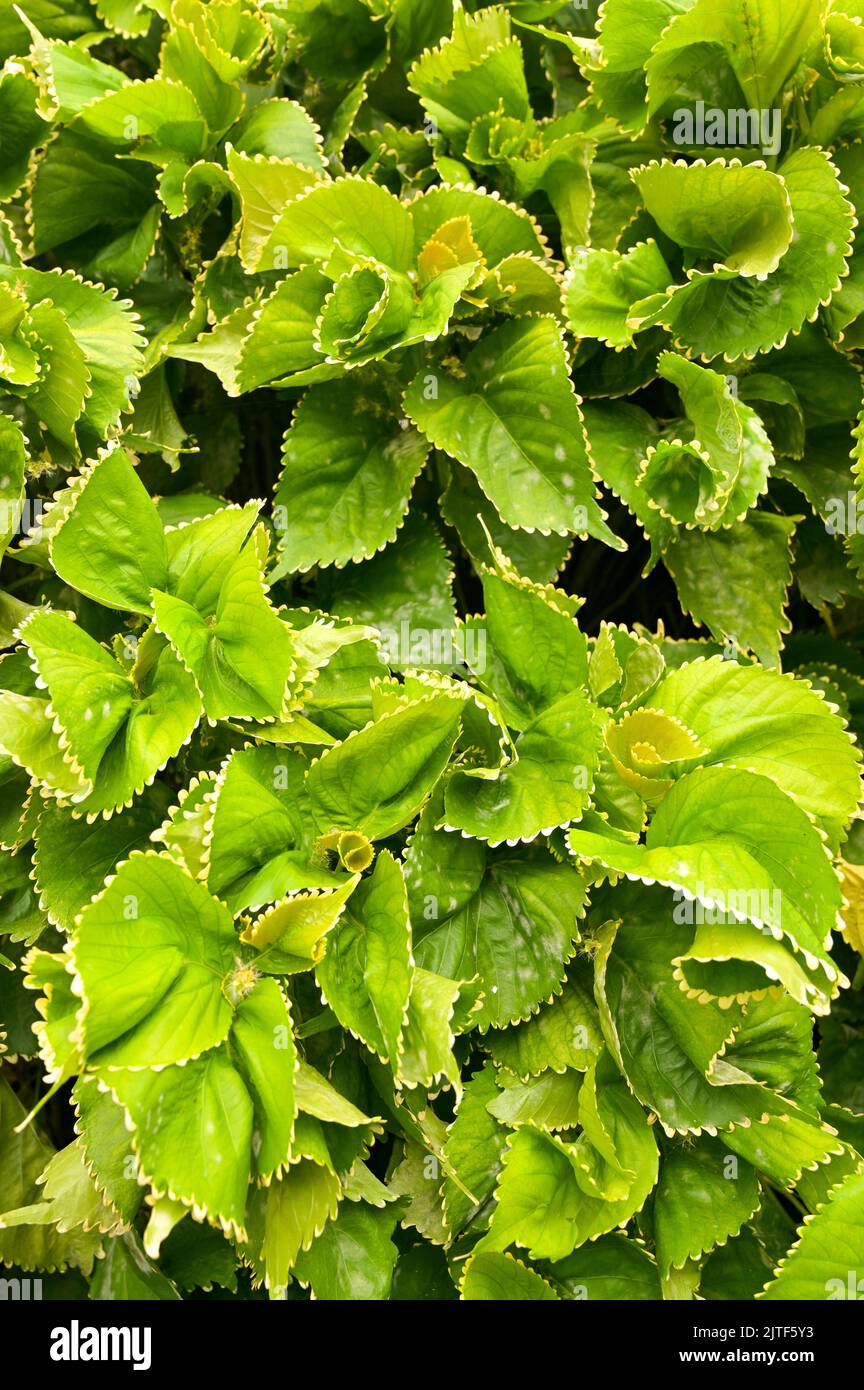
[[192, 1131], [534, 555], [635, 990], [491, 1277], [822, 1263], [601, 288], [538, 1198], [406, 592], [775, 1046], [123, 258], [738, 216], [736, 581], [703, 1197], [782, 1141], [731, 839], [56, 1031], [110, 544], [195, 1256], [498, 229], [628, 33], [505, 417], [478, 69], [269, 344], [23, 1156], [760, 314], [377, 780], [353, 1257], [20, 362], [291, 934], [542, 1206], [107, 1148], [684, 1078], [60, 397], [418, 1178], [773, 725], [317, 1097], [550, 1102], [79, 189], [12, 463], [648, 750], [114, 729], [23, 128], [17, 1006], [27, 736], [138, 990], [538, 653], [126, 1275], [263, 1042], [561, 169], [259, 830], [190, 56], [721, 470], [621, 435], [473, 1148], [337, 225], [106, 334], [426, 1055], [365, 975], [353, 505], [72, 858], [72, 1196], [547, 784], [263, 186], [220, 638], [614, 1267], [285, 1218], [74, 76], [563, 1034], [761, 43], [736, 1270], [281, 128], [510, 919], [157, 116], [371, 311]]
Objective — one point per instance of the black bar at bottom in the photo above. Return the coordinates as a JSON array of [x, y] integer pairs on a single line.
[[228, 1337]]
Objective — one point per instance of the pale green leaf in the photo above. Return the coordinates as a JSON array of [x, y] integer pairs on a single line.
[[153, 995]]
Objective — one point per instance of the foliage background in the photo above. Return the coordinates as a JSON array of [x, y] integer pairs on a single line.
[[229, 285]]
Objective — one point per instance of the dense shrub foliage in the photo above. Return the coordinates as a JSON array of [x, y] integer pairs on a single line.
[[430, 858]]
